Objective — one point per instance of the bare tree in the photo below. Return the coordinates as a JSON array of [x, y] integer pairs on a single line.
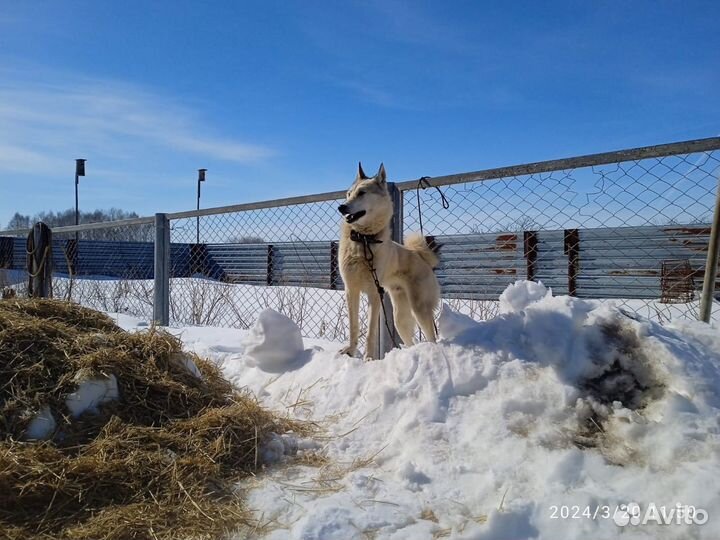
[[135, 233]]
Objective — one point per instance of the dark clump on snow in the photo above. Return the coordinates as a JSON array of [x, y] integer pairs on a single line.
[[157, 461], [625, 377], [628, 376]]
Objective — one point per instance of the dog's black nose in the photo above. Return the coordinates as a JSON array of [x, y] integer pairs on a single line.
[[343, 209]]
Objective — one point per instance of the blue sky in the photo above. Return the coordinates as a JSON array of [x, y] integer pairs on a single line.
[[280, 98]]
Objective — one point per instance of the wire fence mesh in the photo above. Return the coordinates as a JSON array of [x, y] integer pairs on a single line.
[[632, 230], [109, 268], [635, 232], [234, 264]]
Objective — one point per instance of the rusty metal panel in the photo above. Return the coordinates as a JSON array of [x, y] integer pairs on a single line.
[[627, 262], [480, 266]]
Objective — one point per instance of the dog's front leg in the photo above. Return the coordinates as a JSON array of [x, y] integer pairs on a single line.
[[352, 295], [371, 346]]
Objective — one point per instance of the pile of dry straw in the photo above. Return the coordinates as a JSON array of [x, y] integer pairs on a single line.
[[158, 463]]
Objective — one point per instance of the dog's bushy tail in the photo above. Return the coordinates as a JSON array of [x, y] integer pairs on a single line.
[[429, 252]]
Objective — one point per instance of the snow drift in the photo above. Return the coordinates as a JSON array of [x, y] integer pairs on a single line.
[[558, 403]]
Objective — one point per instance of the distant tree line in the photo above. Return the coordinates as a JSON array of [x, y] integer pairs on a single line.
[[245, 240], [133, 233]]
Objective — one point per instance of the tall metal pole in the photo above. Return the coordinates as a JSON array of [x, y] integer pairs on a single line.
[[711, 265], [201, 178], [79, 171], [77, 207], [161, 301], [387, 332]]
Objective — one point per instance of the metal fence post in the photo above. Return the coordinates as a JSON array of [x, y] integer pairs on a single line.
[[387, 339], [572, 250], [40, 261], [712, 263], [7, 252], [161, 305]]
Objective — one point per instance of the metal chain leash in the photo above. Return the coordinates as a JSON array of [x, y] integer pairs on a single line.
[[366, 240]]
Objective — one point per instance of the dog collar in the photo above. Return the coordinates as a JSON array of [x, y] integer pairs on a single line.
[[364, 238]]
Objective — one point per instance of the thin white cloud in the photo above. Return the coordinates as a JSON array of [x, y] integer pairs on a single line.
[[413, 23], [370, 93], [43, 124], [17, 159]]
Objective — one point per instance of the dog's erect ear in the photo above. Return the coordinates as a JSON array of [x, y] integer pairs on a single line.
[[381, 177], [360, 173]]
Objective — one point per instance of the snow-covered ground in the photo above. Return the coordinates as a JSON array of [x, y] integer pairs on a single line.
[[544, 422]]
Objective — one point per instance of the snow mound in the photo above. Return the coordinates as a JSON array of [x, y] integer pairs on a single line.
[[274, 344], [557, 402]]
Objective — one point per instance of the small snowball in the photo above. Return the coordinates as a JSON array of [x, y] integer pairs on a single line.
[[521, 294], [274, 344]]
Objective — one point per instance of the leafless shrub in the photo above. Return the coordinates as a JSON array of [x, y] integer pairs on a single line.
[[204, 301], [481, 310]]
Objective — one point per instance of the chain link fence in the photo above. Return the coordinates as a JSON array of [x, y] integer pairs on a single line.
[[634, 232], [253, 257], [109, 268], [106, 266], [631, 227]]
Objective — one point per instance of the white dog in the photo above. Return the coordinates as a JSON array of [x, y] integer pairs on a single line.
[[404, 271]]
